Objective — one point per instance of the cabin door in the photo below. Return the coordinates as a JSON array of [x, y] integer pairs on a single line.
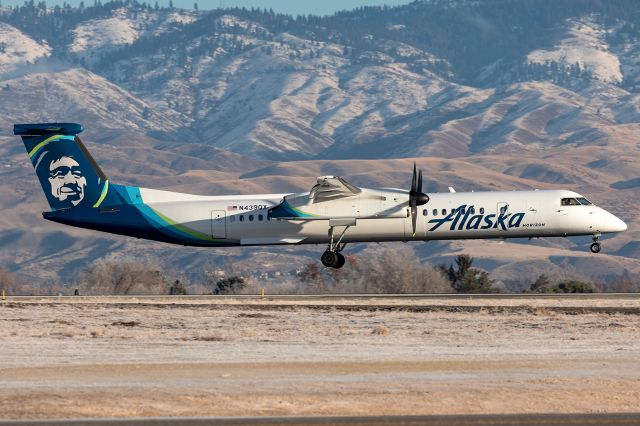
[[218, 224]]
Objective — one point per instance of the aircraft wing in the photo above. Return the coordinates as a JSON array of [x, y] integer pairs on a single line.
[[331, 188]]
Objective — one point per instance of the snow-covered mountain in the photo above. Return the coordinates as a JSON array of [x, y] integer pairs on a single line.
[[486, 95], [584, 46], [19, 50], [96, 37]]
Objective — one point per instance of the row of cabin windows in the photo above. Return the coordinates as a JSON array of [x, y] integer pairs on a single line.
[[250, 217], [425, 212]]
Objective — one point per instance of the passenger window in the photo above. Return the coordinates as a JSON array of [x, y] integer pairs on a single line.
[[472, 210], [250, 218], [241, 218], [453, 211], [503, 209], [260, 217], [463, 210], [435, 212], [481, 210], [425, 212], [444, 212]]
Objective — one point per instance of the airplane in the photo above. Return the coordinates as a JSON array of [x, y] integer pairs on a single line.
[[334, 212]]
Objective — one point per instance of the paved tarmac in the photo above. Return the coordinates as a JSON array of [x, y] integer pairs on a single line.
[[483, 420], [557, 365], [307, 297], [360, 302]]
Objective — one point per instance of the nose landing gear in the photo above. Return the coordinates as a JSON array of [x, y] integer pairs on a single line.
[[595, 247]]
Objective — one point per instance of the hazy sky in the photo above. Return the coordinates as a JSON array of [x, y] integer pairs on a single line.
[[293, 7]]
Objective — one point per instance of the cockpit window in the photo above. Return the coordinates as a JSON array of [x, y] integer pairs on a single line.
[[584, 201], [569, 202]]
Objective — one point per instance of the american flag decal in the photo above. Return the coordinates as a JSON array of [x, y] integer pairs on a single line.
[[232, 208]]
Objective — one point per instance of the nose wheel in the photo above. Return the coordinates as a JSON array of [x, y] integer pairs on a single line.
[[595, 247]]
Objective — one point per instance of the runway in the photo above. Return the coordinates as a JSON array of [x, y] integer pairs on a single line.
[[284, 358], [354, 296], [571, 304], [621, 419]]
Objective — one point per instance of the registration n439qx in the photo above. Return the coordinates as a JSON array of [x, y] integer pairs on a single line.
[[334, 212]]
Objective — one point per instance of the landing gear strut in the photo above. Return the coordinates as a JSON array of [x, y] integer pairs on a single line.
[[332, 258], [595, 247]]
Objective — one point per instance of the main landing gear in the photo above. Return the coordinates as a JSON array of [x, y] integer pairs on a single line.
[[595, 247], [332, 258]]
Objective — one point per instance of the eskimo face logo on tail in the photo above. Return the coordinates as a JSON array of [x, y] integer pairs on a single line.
[[67, 181], [468, 220], [63, 177]]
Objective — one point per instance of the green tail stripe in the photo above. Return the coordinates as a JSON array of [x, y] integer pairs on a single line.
[[43, 143], [105, 189], [191, 232]]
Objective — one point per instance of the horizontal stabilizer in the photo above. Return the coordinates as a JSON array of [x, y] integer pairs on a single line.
[[45, 129]]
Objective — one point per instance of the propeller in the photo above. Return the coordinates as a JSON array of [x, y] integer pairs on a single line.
[[416, 196]]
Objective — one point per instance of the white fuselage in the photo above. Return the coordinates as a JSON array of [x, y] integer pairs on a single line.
[[383, 215]]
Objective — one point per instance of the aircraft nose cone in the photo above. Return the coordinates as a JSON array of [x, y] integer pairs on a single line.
[[615, 224], [621, 226]]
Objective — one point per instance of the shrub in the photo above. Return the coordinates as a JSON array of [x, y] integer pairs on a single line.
[[465, 279], [544, 285], [378, 270], [574, 286], [177, 289], [9, 283], [124, 276], [230, 285]]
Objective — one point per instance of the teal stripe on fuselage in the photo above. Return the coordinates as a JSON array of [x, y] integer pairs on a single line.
[[124, 213], [132, 196]]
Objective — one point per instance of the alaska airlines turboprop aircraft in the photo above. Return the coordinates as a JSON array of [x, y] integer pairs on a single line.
[[333, 212]]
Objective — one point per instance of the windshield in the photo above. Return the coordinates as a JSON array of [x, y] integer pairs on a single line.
[[580, 201], [584, 201]]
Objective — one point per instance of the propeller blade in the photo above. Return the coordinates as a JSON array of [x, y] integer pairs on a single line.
[[414, 218], [416, 196], [414, 178]]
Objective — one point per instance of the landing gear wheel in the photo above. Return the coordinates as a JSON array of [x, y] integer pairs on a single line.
[[595, 248], [341, 261], [330, 259]]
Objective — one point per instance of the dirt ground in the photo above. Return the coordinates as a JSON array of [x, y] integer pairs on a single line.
[[106, 358]]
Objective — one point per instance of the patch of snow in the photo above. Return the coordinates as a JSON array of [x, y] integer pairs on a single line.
[[396, 27], [98, 35], [584, 44], [230, 21], [124, 27], [87, 97], [17, 49], [175, 18]]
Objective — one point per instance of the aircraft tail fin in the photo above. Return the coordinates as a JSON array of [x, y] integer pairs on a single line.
[[68, 174]]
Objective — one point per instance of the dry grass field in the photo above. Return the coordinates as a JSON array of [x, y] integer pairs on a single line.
[[115, 357]]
